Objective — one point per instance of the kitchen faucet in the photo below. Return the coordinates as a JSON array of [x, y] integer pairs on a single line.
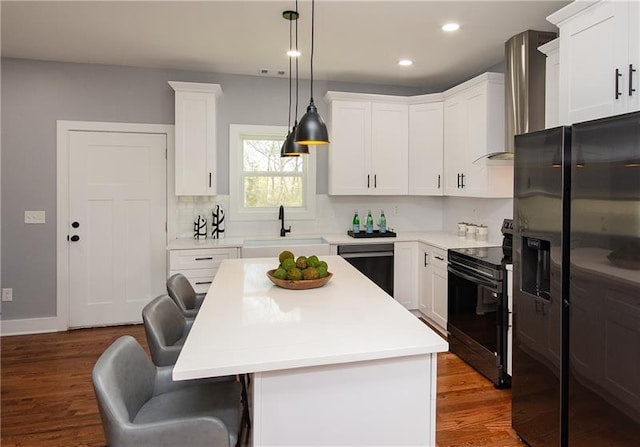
[[283, 230]]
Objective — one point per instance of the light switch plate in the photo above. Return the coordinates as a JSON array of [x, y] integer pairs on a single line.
[[34, 217], [7, 294]]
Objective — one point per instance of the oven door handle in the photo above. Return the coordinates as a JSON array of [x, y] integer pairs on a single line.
[[371, 254], [494, 286]]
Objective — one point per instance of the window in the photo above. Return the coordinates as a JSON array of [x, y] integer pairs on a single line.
[[260, 180]]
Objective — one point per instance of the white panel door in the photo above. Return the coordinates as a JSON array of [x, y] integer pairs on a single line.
[[389, 148], [117, 212], [426, 149], [350, 149]]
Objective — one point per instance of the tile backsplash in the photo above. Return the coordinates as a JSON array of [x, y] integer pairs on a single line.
[[335, 213]]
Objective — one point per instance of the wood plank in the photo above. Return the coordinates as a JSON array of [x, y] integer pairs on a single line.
[[47, 397]]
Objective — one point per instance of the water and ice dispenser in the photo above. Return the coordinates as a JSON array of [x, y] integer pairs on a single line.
[[536, 267]]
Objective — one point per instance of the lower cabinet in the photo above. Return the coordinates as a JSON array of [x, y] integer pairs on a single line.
[[199, 265], [432, 301], [405, 272]]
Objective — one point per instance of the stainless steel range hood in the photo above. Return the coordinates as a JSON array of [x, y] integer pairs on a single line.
[[524, 87]]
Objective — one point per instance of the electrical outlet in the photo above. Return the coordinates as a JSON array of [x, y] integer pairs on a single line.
[[34, 217], [7, 294]]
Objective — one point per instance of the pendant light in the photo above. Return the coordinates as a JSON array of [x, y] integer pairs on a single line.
[[312, 130], [290, 148]]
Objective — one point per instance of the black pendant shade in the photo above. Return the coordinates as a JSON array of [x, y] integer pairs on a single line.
[[312, 130], [292, 149]]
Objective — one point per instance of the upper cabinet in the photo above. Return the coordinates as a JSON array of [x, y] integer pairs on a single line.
[[552, 79], [195, 132], [426, 141], [474, 128], [369, 144], [599, 59]]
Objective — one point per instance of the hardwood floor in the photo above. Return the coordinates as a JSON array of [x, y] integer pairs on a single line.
[[47, 398]]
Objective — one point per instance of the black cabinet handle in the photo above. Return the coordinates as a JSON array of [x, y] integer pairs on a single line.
[[375, 180], [631, 72], [199, 283], [438, 181], [204, 259], [440, 258], [618, 76], [425, 258], [462, 181], [209, 180], [75, 238], [458, 180], [368, 178]]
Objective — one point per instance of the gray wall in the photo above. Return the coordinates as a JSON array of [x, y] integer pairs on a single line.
[[35, 94]]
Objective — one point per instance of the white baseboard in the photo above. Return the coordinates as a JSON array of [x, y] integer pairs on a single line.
[[30, 326]]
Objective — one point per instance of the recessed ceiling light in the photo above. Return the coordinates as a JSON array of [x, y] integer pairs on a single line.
[[293, 53], [450, 27], [405, 62]]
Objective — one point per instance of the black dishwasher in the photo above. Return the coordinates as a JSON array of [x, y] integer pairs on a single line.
[[375, 261]]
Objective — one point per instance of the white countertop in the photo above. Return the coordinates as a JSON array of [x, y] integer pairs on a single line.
[[436, 238], [247, 324]]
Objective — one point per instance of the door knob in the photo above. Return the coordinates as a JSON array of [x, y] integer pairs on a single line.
[[75, 224], [75, 238]]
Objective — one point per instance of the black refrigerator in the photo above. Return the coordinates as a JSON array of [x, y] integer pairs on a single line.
[[576, 295]]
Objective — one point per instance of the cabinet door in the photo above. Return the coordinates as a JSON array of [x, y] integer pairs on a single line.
[[195, 143], [473, 174], [405, 274], [425, 292], [455, 139], [594, 44], [439, 292], [426, 140], [350, 151], [389, 148]]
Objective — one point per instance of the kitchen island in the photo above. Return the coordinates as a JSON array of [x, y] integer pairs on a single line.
[[344, 364]]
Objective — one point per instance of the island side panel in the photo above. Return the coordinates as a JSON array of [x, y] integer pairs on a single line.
[[378, 402]]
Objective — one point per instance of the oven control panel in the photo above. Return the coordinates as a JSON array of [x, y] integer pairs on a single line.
[[507, 226]]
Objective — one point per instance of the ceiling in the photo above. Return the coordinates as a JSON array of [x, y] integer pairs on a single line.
[[356, 40]]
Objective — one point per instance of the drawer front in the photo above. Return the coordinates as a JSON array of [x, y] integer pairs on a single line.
[[438, 257], [200, 279], [200, 258]]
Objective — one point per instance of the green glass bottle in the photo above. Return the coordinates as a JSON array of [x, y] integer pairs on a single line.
[[356, 223], [382, 223], [369, 223]]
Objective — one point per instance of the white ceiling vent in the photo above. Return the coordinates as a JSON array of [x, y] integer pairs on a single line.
[[271, 72]]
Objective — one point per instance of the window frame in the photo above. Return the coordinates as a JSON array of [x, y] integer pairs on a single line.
[[239, 132]]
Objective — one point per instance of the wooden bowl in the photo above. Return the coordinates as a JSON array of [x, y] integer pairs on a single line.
[[303, 284]]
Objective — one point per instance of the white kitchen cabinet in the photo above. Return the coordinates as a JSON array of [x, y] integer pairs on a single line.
[[369, 146], [599, 59], [405, 274], [552, 83], [199, 265], [424, 279], [433, 284], [473, 128], [195, 133], [426, 127], [439, 287]]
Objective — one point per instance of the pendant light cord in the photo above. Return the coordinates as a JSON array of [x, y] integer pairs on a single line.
[[313, 19], [297, 58], [289, 119]]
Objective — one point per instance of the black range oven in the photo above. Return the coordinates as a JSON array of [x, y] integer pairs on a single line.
[[478, 310]]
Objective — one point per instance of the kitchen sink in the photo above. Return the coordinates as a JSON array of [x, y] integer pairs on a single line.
[[259, 248]]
